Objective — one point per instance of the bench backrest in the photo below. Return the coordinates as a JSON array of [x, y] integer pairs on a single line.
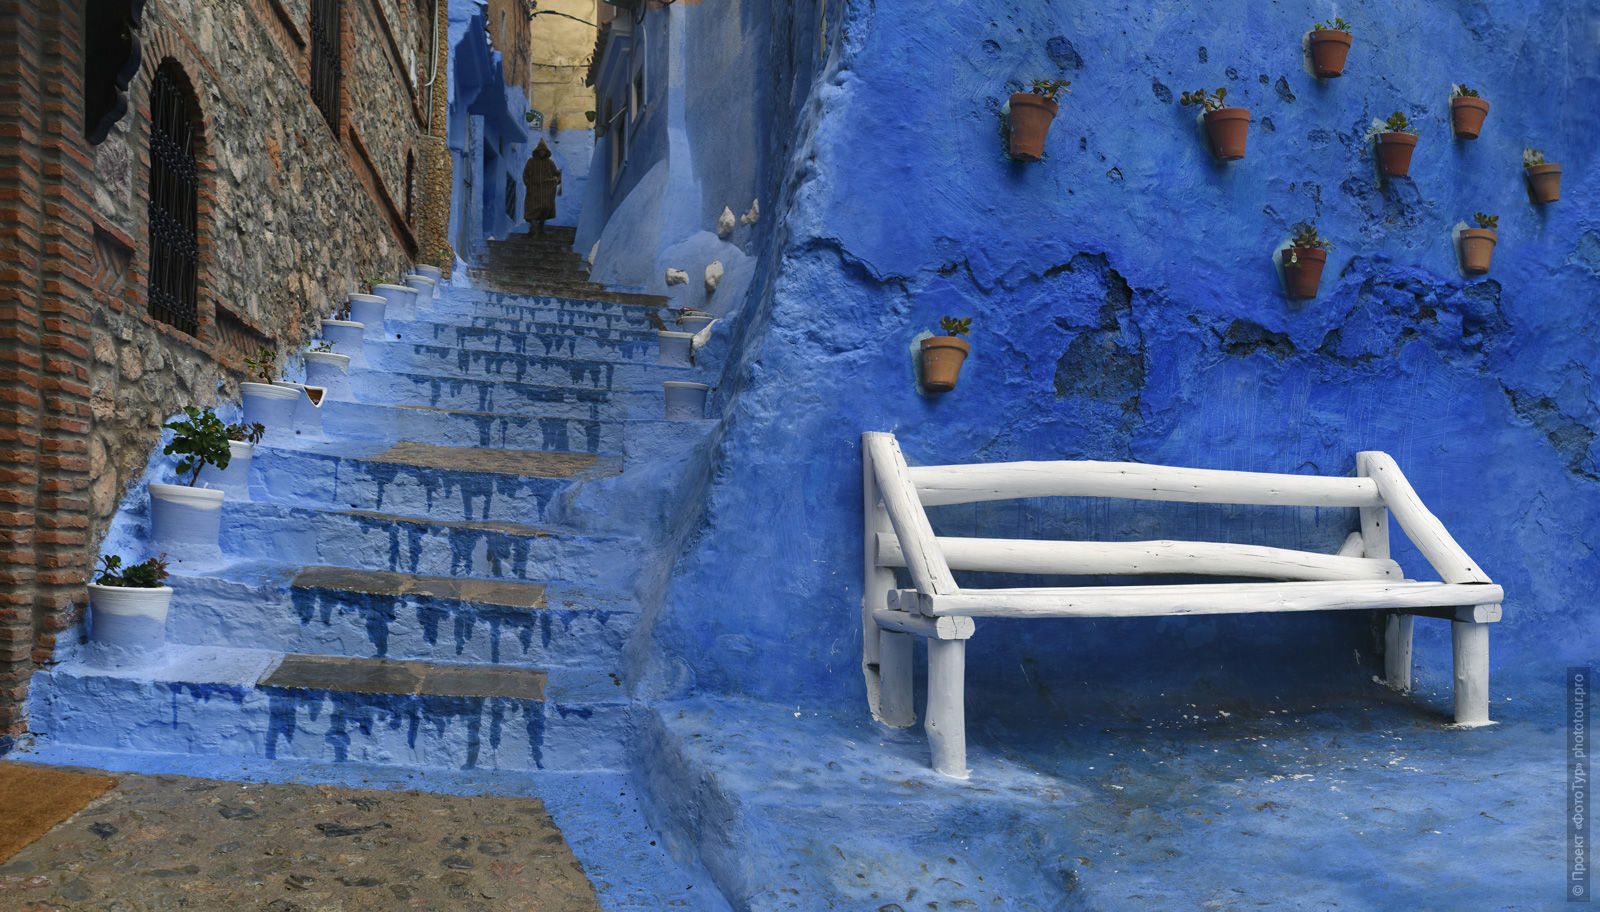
[[902, 536]]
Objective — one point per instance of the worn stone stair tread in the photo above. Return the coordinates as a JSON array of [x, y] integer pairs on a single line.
[[463, 413], [523, 463], [557, 294], [481, 358], [437, 330], [504, 593], [300, 671], [590, 393]]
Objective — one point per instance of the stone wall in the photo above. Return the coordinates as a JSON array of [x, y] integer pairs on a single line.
[[289, 215], [1127, 306]]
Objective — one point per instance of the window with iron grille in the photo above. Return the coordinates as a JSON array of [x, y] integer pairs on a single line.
[[326, 47], [174, 193]]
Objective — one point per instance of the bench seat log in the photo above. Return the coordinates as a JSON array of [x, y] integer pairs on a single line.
[[954, 484], [1144, 558], [1207, 598]]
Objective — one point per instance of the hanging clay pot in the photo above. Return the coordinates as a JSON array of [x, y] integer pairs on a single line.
[[1544, 182], [942, 357], [1329, 47], [1302, 271], [1228, 129], [1031, 116], [1394, 153], [1466, 116], [1477, 246]]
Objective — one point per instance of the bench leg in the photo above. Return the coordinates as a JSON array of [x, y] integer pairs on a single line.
[[1470, 643], [946, 715], [896, 706], [1397, 651]]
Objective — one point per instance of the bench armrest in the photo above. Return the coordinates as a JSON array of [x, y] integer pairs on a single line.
[[1424, 529], [924, 560]]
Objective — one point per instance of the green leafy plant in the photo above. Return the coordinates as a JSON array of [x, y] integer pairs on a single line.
[[1531, 157], [1460, 90], [323, 346], [1049, 88], [369, 282], [1486, 220], [1207, 100], [955, 326], [1338, 25], [146, 575], [1397, 123], [263, 365], [246, 433], [201, 440]]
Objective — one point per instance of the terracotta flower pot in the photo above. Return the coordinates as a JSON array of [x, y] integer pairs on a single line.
[[1544, 181], [1477, 246], [1466, 116], [1228, 129], [1394, 153], [1329, 47], [1031, 116], [942, 357], [1302, 270]]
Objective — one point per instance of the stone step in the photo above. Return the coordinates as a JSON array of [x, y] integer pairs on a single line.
[[299, 535], [421, 479], [477, 300], [495, 396], [221, 701], [330, 610], [572, 291], [537, 368], [461, 427], [506, 334]]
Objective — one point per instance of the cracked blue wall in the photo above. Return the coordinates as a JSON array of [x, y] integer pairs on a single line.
[[1126, 306]]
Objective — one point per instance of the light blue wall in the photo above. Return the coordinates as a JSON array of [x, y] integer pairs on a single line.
[[1126, 306], [488, 141]]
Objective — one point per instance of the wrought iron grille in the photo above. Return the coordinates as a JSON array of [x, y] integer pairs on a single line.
[[326, 59], [174, 182]]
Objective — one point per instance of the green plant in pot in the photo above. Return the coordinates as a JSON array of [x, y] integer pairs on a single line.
[[1330, 45], [942, 356], [183, 516], [1396, 142], [1544, 178], [1227, 127], [1467, 112], [1303, 261], [1477, 244], [128, 608], [1032, 112]]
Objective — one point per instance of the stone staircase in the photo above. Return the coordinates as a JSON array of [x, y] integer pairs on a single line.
[[411, 589]]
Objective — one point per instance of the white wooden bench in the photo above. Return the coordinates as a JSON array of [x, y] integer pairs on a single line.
[[1361, 576]]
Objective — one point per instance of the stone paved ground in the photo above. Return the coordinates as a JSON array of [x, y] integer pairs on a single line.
[[171, 842]]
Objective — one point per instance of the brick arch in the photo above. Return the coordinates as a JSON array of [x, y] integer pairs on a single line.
[[173, 51]]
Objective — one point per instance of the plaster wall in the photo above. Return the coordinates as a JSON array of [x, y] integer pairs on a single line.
[[1126, 306]]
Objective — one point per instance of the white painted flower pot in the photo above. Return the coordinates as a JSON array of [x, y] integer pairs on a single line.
[[693, 323], [346, 338], [685, 401], [368, 310], [432, 272], [127, 625], [330, 371], [185, 520], [235, 479], [307, 408], [270, 405], [673, 349], [425, 289], [402, 301]]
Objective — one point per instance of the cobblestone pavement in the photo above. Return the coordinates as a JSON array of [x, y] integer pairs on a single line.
[[170, 842]]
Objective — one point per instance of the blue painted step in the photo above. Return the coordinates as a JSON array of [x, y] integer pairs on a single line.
[[547, 309], [415, 479], [498, 396], [300, 535], [207, 700], [503, 334], [461, 427], [336, 611], [473, 364]]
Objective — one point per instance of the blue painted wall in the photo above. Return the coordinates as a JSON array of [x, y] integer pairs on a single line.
[[486, 132], [1126, 306]]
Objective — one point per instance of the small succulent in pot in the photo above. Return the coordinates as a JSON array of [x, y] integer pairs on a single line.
[[1337, 25], [1395, 144], [942, 356], [201, 439], [1032, 112], [264, 365], [146, 575], [1477, 244], [1544, 178], [1302, 266], [1486, 221], [246, 433], [1050, 89], [1227, 127], [1467, 111], [1330, 45], [956, 326]]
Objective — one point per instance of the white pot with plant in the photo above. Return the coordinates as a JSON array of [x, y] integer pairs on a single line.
[[235, 479], [328, 369], [127, 612], [267, 402], [185, 518]]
